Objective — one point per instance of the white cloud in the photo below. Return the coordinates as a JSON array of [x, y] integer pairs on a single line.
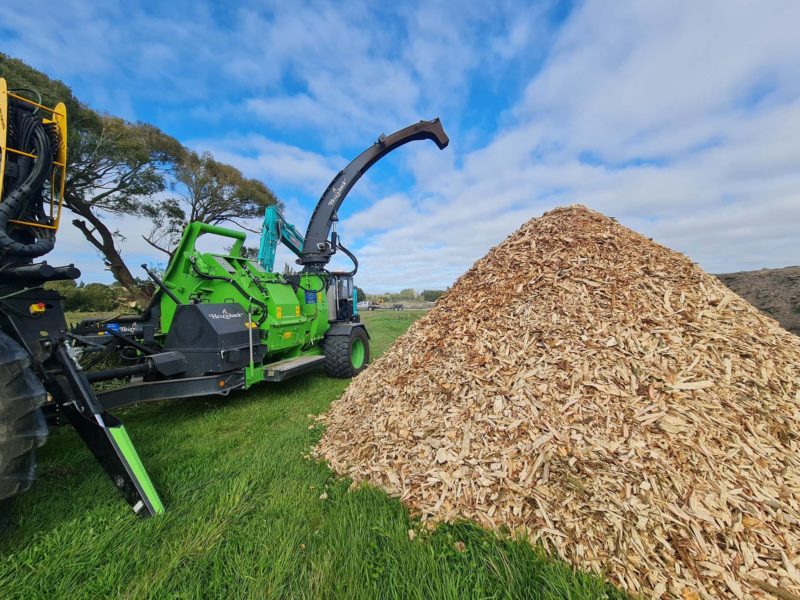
[[622, 79], [380, 216], [679, 118], [274, 162]]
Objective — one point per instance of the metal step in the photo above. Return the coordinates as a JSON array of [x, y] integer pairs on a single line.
[[284, 369]]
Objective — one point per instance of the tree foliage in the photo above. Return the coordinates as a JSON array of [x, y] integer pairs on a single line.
[[114, 166], [431, 295], [90, 297], [117, 168], [208, 191], [407, 294]]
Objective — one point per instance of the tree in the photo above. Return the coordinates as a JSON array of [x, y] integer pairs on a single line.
[[114, 167], [407, 294], [208, 191], [431, 295], [65, 288], [361, 295], [120, 168], [89, 297]]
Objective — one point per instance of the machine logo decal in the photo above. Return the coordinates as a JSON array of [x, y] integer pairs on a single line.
[[336, 193], [226, 315]]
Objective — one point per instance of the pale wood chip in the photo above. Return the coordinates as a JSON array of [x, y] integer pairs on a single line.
[[602, 395]]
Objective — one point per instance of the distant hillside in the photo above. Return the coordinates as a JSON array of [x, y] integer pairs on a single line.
[[775, 292]]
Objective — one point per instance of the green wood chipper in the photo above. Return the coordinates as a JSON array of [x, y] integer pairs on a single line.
[[218, 321]]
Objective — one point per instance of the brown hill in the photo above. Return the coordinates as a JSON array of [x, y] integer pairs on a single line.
[[603, 395], [775, 292]]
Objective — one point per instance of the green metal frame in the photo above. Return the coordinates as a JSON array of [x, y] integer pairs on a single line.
[[290, 321]]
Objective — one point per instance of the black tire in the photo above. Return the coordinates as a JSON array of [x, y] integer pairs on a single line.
[[338, 352], [5, 514], [22, 424]]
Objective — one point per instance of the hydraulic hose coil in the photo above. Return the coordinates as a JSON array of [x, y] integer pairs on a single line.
[[32, 136]]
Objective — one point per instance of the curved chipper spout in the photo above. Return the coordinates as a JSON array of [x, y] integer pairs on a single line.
[[317, 248]]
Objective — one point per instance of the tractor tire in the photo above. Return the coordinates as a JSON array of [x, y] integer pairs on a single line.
[[5, 514], [346, 355], [22, 424]]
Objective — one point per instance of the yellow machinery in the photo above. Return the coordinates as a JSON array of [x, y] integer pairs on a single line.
[[57, 117]]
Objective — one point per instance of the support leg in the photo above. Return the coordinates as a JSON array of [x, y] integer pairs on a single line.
[[105, 435]]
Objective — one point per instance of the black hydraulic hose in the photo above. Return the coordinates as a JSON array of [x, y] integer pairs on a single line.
[[352, 257], [32, 136], [305, 289], [236, 285], [294, 280], [117, 372], [31, 91], [157, 280], [322, 289], [255, 281], [131, 342]]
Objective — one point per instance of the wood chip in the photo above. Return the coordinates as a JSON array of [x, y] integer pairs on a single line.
[[603, 394]]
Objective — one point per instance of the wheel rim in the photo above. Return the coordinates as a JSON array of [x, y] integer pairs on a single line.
[[357, 353]]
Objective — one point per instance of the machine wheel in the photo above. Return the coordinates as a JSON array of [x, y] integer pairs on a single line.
[[5, 513], [22, 424], [346, 355]]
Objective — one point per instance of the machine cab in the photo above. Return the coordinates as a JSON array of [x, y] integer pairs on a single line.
[[342, 304]]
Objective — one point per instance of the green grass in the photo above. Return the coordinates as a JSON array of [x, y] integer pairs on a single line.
[[244, 516]]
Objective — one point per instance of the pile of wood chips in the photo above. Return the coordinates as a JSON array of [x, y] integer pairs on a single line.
[[600, 393]]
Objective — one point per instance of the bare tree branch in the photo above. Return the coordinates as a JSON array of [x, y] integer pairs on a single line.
[[156, 246]]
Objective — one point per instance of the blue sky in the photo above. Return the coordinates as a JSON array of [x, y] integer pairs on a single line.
[[679, 118]]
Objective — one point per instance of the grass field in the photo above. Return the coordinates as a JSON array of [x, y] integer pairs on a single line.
[[244, 516]]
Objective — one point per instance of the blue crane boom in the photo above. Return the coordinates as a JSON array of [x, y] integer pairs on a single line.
[[277, 229]]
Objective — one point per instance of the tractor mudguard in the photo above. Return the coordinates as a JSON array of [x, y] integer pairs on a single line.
[[344, 329]]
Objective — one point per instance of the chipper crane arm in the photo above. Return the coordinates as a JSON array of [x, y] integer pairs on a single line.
[[277, 229], [317, 248]]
